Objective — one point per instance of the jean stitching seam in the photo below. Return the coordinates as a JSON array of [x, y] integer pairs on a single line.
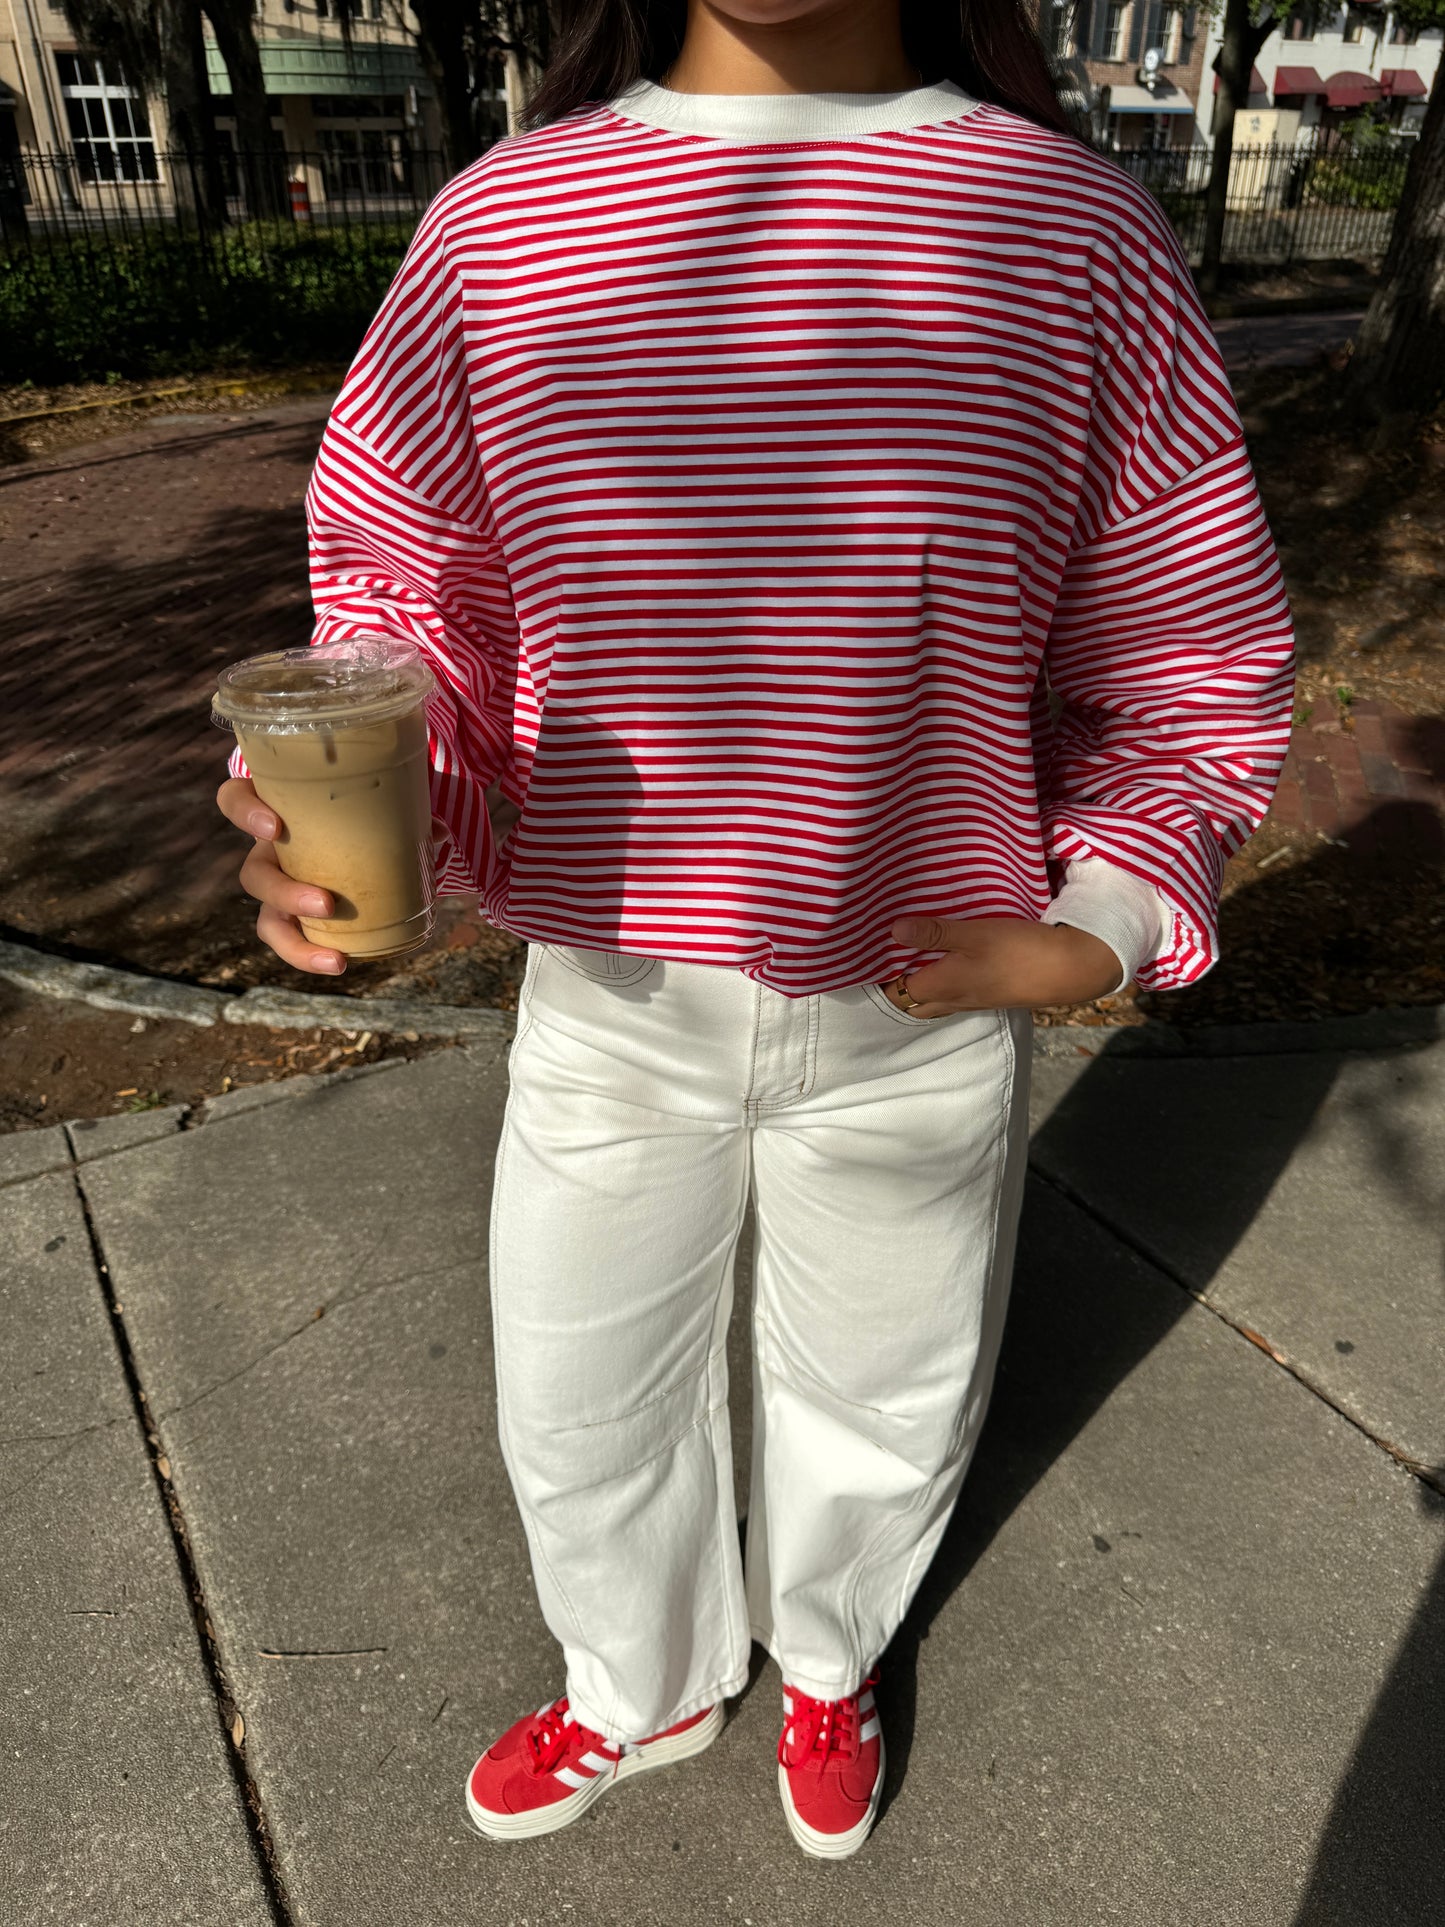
[[728, 1271], [658, 1398], [881, 1000], [750, 1103], [621, 980], [900, 1519], [503, 1428]]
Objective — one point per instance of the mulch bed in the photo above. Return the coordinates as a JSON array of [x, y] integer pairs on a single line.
[[65, 1060]]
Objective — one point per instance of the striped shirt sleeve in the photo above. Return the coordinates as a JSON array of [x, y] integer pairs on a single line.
[[1170, 657], [403, 543]]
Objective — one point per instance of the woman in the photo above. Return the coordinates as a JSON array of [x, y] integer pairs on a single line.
[[813, 481]]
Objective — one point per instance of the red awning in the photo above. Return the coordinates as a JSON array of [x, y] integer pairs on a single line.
[[1403, 83], [1256, 82], [1352, 90], [1298, 81]]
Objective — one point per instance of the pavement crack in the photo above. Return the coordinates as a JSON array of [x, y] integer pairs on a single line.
[[257, 1825], [1430, 1475], [50, 1438], [319, 1652], [326, 1308], [186, 1405]]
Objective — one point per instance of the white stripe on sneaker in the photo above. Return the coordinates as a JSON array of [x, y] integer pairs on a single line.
[[598, 1762], [869, 1730], [569, 1778]]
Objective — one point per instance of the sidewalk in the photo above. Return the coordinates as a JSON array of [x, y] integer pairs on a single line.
[[1178, 1662]]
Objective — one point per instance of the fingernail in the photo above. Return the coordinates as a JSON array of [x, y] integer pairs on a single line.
[[313, 904], [322, 962], [262, 823]]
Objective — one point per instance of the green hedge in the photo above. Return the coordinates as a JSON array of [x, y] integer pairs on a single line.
[[1348, 180], [171, 301]]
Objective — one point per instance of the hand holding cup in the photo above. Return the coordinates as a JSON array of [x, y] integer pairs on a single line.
[[335, 738], [283, 900]]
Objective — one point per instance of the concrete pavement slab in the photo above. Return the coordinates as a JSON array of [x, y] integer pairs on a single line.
[[117, 1800], [26, 1154], [1174, 1664], [1304, 1196], [97, 1137]]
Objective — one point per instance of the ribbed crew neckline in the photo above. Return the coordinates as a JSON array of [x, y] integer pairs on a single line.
[[791, 117]]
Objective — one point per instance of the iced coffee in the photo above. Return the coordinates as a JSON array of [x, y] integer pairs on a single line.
[[336, 741]]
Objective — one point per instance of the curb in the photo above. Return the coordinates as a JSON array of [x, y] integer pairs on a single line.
[[106, 988]]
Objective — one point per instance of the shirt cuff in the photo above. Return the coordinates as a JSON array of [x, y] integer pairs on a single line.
[[1117, 907]]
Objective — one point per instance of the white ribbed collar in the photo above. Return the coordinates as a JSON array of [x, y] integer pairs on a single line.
[[791, 117]]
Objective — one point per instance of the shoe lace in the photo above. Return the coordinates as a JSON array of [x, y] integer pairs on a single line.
[[819, 1730], [550, 1735]]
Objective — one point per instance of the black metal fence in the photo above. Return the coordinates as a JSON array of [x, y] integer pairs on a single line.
[[1312, 200], [122, 257], [139, 261], [111, 190]]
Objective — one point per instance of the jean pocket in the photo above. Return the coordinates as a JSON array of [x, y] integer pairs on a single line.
[[878, 995], [616, 967]]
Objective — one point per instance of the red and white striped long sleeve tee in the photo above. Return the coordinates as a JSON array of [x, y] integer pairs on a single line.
[[817, 510]]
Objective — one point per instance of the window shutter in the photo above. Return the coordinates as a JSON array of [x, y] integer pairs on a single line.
[[1099, 28]]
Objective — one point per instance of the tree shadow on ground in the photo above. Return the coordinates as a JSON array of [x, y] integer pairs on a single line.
[[1360, 527], [108, 761]]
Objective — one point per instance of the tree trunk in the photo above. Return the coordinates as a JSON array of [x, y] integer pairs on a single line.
[[198, 182], [262, 161], [1240, 43], [1398, 367], [442, 42]]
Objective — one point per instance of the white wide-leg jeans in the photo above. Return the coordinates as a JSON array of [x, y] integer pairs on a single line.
[[885, 1156]]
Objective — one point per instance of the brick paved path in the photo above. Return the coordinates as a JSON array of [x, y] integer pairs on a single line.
[[1371, 777]]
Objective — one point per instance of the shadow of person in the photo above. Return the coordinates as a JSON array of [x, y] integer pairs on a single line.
[[1381, 1856], [574, 840], [1181, 1153]]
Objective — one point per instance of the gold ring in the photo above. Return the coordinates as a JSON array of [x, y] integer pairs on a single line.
[[900, 984]]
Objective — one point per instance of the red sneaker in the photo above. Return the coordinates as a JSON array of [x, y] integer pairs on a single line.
[[547, 1770], [830, 1770]]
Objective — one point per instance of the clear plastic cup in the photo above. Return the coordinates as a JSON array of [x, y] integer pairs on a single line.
[[336, 741]]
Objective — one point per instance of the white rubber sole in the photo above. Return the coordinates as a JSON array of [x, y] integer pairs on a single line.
[[832, 1846], [526, 1826]]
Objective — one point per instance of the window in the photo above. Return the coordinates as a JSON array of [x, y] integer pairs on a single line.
[[357, 162], [1057, 19], [1402, 35], [1304, 20], [1114, 29], [107, 120], [357, 106], [1165, 22], [1356, 19]]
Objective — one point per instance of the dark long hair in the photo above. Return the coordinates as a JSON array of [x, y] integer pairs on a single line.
[[991, 48]]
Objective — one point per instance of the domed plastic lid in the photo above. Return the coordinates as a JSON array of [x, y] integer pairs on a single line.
[[365, 679]]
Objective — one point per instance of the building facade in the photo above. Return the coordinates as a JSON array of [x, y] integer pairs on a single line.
[[351, 109], [1131, 69], [1326, 63]]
